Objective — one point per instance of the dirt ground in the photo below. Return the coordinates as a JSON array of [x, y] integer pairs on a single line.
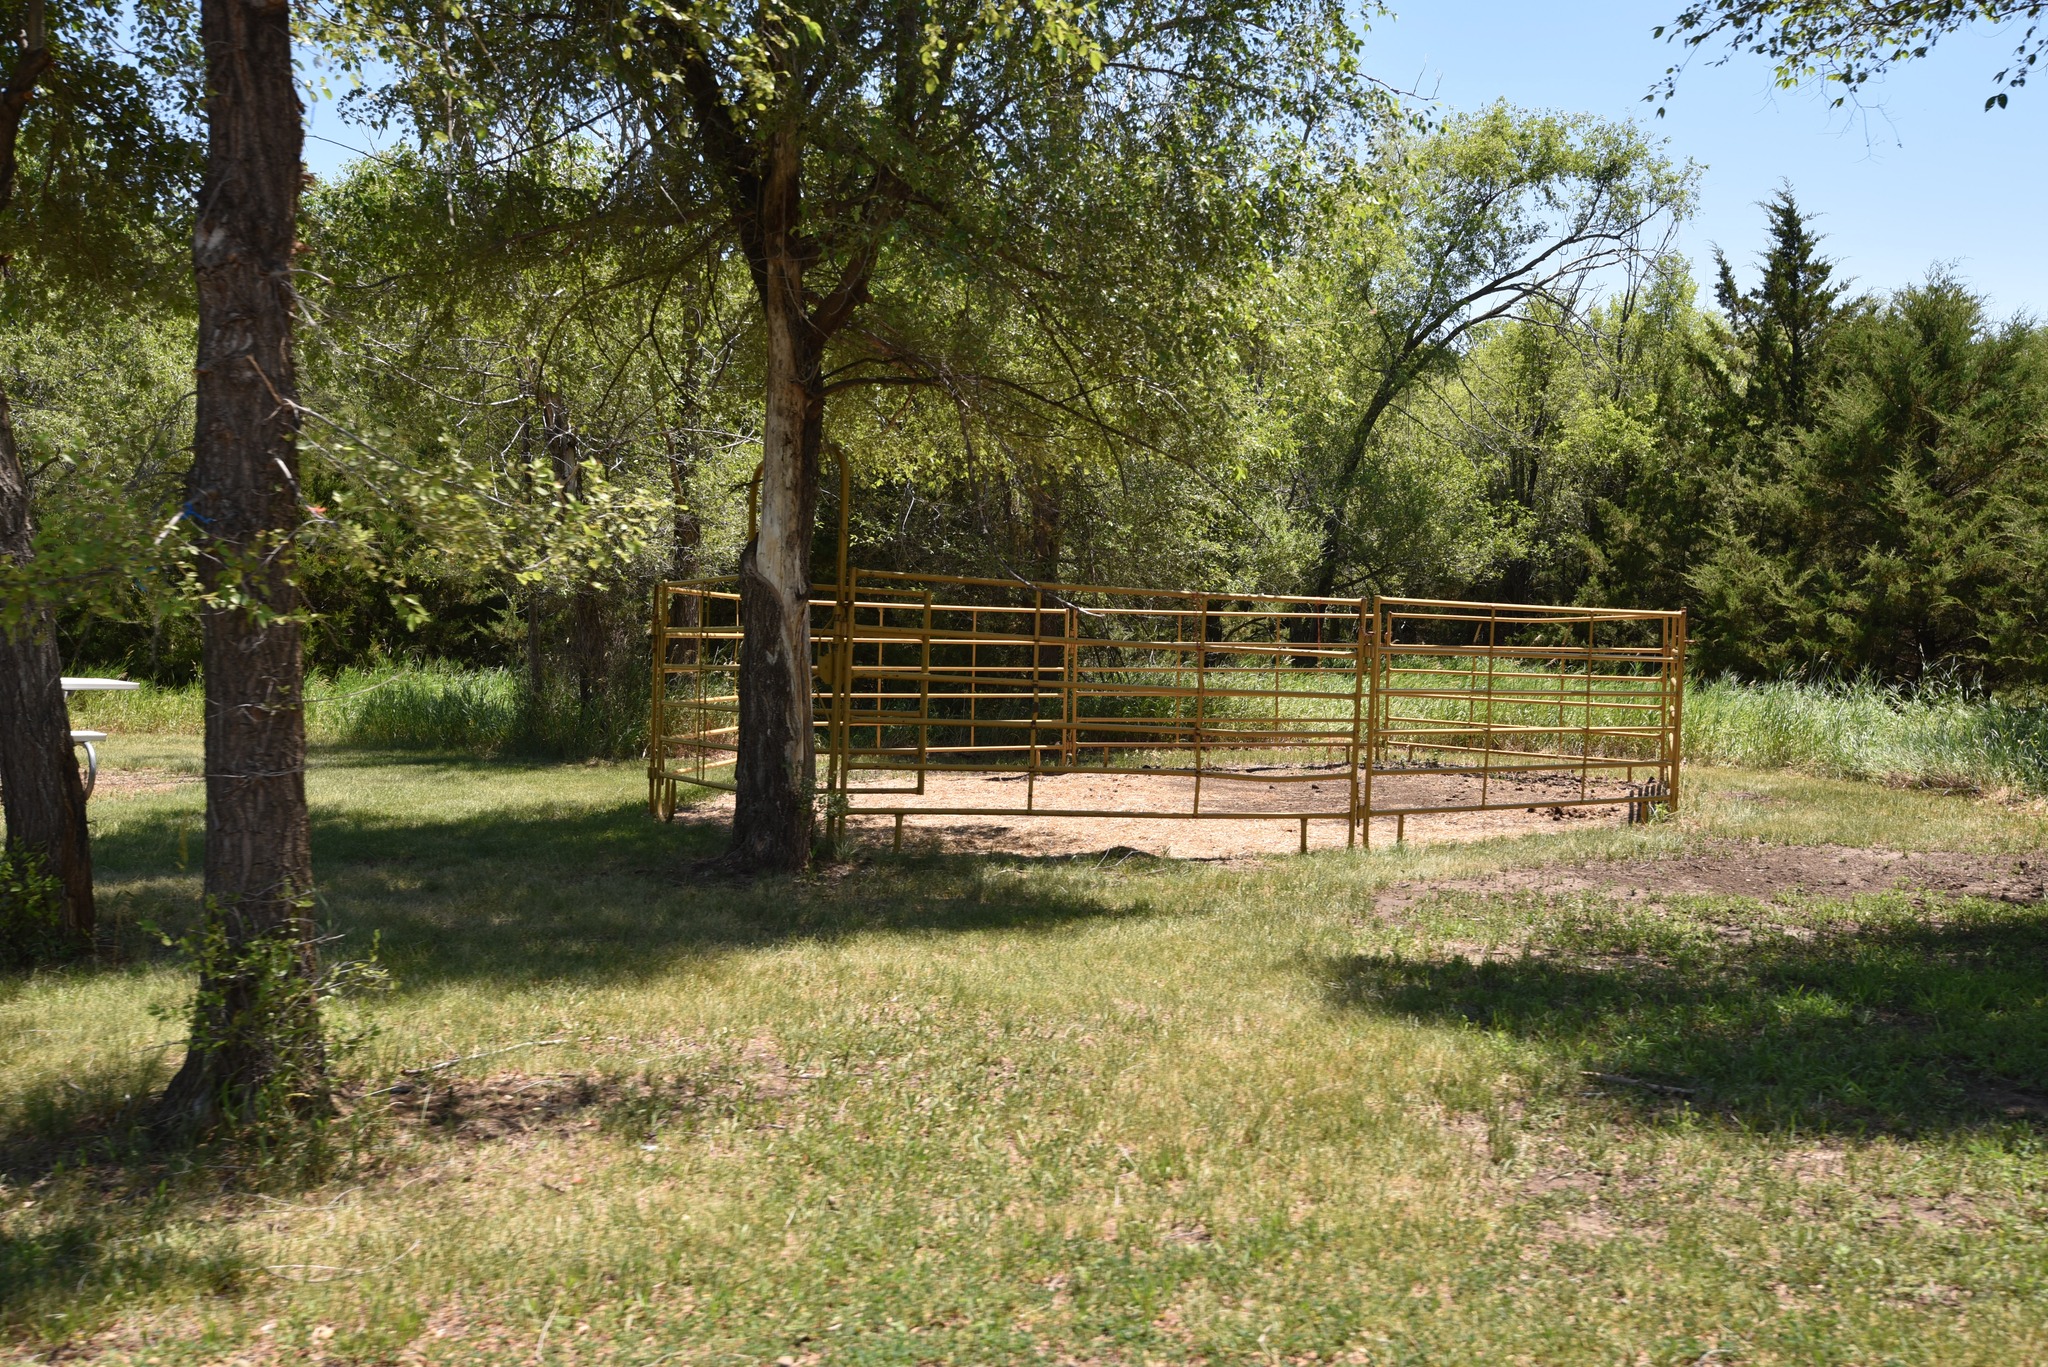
[[1743, 869], [138, 782], [1271, 789]]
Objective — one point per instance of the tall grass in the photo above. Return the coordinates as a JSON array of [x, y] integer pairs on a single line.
[[409, 707], [1855, 730], [1860, 730]]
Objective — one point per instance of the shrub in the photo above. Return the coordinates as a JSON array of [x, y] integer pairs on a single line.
[[34, 931]]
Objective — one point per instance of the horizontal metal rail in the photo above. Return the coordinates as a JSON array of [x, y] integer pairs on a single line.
[[1488, 706]]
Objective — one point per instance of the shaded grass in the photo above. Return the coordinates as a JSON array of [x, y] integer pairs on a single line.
[[1010, 1110], [1881, 1014]]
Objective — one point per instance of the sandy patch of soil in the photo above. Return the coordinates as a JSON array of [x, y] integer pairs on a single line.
[[1765, 872], [1528, 806], [119, 783]]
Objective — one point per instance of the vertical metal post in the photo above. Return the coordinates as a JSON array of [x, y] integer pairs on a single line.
[[1486, 736], [1586, 721], [1373, 737], [1031, 734], [843, 652], [924, 697], [1359, 654], [1070, 665], [657, 721], [840, 678], [1676, 748], [1201, 693]]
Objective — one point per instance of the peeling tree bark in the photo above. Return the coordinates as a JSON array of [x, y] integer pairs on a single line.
[[776, 777]]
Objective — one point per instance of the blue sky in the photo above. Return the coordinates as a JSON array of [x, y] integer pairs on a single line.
[[1924, 175]]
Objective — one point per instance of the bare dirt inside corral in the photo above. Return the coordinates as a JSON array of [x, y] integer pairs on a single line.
[[1732, 868], [1528, 805]]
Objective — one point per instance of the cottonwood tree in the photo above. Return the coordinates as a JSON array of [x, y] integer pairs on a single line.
[[1490, 217], [840, 147], [503, 408], [1845, 43], [256, 1032], [91, 159]]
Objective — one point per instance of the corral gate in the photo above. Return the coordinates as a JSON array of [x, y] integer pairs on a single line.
[[1230, 706]]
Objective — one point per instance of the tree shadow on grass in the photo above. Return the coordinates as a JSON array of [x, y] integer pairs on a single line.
[[62, 1276], [605, 893], [100, 1224], [1893, 1018]]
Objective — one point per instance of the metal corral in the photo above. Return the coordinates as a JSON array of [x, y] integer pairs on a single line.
[[1411, 706]]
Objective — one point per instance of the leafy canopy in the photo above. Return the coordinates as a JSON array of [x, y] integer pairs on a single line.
[[1845, 43]]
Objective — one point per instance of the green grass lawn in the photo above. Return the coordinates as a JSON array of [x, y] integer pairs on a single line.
[[933, 1109]]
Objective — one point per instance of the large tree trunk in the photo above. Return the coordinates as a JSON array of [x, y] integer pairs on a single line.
[[776, 776], [39, 785], [256, 1029]]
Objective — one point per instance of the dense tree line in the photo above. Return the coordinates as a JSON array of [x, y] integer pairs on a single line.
[[1833, 482]]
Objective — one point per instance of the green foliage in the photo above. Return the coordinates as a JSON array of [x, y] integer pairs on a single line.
[[34, 930], [1834, 486], [102, 414], [1344, 354], [1903, 531], [109, 155], [1436, 237], [1935, 736], [1845, 42], [255, 993], [433, 706]]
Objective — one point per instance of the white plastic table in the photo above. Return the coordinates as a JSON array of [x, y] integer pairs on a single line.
[[87, 738]]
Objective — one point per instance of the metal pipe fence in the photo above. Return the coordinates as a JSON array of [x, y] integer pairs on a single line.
[[1228, 706]]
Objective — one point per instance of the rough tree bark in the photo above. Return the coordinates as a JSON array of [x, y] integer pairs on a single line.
[[256, 1028], [39, 785]]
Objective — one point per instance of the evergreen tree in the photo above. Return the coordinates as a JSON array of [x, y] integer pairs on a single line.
[[1783, 323]]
